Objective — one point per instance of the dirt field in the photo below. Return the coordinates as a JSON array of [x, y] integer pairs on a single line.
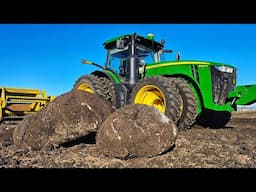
[[231, 147]]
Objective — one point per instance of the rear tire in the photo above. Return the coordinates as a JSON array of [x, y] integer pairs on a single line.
[[189, 104], [90, 84], [159, 92], [109, 90], [100, 85]]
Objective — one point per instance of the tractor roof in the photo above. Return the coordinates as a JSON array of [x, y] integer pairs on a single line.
[[144, 41]]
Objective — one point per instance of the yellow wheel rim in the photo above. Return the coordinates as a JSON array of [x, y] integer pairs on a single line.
[[151, 95], [85, 87]]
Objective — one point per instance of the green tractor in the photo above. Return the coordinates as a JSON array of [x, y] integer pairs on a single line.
[[188, 91]]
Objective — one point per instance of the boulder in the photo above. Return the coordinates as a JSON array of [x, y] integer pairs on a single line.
[[70, 116], [136, 131]]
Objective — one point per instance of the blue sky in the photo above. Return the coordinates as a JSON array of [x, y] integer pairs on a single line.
[[47, 56]]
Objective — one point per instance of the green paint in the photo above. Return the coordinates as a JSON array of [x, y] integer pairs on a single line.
[[113, 75], [246, 94], [115, 39]]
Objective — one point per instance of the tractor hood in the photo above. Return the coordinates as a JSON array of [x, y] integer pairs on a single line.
[[220, 66]]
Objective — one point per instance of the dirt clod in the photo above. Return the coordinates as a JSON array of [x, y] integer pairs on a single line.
[[136, 131], [70, 116]]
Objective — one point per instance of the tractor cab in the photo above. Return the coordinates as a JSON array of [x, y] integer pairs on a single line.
[[117, 59], [147, 51], [119, 50]]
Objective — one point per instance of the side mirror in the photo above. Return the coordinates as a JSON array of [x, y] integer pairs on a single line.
[[120, 44]]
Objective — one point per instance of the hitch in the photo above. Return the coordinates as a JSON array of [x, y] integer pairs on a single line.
[[244, 94]]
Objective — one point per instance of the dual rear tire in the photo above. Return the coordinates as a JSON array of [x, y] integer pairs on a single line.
[[171, 96], [94, 84]]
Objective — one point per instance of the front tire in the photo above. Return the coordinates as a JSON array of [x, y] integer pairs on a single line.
[[158, 92], [188, 106]]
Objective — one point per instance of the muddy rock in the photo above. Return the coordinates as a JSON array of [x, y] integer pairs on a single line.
[[136, 131], [70, 116]]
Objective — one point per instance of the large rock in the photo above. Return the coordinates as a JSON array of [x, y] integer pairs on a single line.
[[70, 116], [136, 131]]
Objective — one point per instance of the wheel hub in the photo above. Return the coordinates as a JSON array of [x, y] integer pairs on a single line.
[[86, 88], [151, 95]]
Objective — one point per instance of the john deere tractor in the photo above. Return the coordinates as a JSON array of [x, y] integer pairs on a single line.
[[187, 91]]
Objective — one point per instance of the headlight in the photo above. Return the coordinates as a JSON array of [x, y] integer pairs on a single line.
[[224, 69]]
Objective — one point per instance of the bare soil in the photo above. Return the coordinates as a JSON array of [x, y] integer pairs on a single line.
[[233, 146]]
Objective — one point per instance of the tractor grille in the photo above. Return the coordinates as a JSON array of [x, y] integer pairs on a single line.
[[222, 84]]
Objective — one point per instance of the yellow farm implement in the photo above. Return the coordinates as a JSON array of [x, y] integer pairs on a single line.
[[15, 103]]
